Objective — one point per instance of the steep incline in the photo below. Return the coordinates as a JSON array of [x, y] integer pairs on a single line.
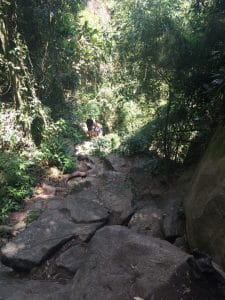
[[104, 238]]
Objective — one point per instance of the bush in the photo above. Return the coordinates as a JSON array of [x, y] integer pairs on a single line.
[[130, 117], [16, 183], [57, 140], [168, 135], [11, 131], [106, 144], [135, 144]]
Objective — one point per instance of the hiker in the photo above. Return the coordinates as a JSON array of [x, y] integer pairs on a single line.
[[97, 128], [90, 124]]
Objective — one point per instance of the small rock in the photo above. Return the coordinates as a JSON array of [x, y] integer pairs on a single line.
[[72, 259], [147, 220], [84, 166], [54, 172], [82, 210], [48, 189]]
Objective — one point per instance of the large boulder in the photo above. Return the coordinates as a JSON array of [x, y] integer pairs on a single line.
[[42, 238], [122, 264], [205, 204]]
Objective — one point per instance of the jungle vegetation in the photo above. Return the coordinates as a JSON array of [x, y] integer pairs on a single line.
[[153, 72]]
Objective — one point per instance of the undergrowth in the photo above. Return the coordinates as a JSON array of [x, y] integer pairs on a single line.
[[21, 170], [16, 183], [105, 145]]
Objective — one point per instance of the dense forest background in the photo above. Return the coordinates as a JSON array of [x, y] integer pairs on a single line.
[[151, 71]]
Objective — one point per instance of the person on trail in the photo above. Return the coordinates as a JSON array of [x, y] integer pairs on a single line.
[[97, 127], [90, 124]]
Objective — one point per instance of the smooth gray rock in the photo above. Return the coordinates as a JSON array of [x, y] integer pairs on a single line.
[[82, 209], [72, 259], [147, 220], [42, 238], [122, 264]]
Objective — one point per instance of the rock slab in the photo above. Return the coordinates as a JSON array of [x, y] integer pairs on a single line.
[[82, 209], [42, 238], [122, 264]]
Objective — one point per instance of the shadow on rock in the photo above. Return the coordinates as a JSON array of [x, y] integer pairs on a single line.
[[184, 285]]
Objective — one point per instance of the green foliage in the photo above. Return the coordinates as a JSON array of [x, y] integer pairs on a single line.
[[169, 54], [138, 143], [93, 45], [16, 183], [17, 84], [106, 144], [169, 134], [154, 76], [129, 117], [33, 215], [11, 133], [51, 32], [45, 51], [57, 139], [91, 108]]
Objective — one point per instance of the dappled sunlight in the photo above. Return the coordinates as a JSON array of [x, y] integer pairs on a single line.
[[104, 104], [12, 249]]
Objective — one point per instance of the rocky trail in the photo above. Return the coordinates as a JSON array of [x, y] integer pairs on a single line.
[[109, 231]]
